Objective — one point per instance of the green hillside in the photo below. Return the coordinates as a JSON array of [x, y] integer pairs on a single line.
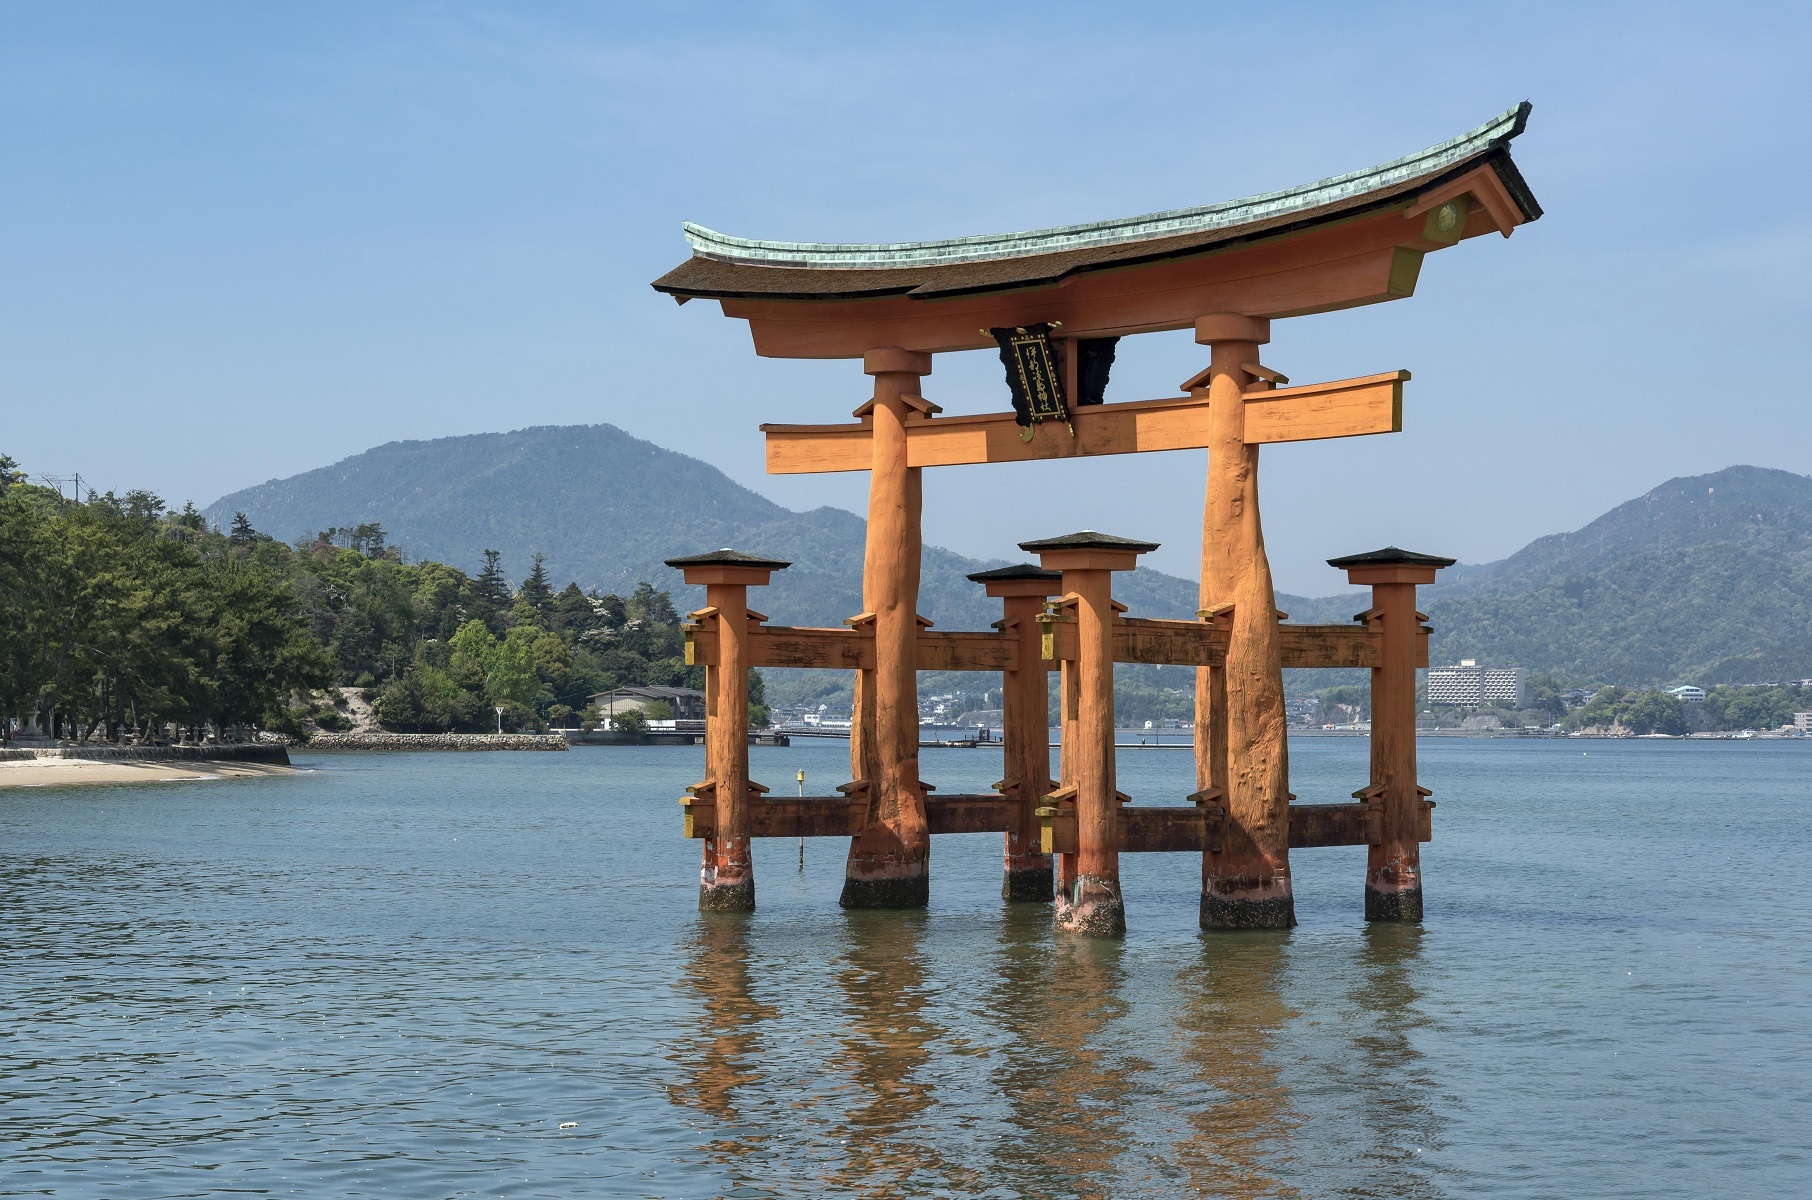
[[606, 509], [1705, 579], [1706, 615], [1753, 508]]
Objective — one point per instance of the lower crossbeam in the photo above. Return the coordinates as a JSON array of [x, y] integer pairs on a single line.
[[840, 816], [1144, 829]]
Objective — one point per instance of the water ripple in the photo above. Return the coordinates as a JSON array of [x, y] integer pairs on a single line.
[[436, 975]]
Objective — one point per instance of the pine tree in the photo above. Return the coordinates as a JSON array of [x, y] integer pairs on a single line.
[[490, 597], [536, 590]]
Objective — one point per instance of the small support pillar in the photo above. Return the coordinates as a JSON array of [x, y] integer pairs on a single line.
[[890, 860], [1393, 868], [1062, 801], [1025, 726], [1092, 904], [1246, 884], [726, 881]]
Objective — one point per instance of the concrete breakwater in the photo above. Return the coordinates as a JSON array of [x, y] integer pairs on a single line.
[[437, 741], [264, 752]]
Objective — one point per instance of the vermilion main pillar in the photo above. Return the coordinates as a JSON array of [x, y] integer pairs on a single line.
[[890, 860], [1246, 885]]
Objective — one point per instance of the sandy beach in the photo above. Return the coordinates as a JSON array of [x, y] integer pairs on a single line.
[[54, 772]]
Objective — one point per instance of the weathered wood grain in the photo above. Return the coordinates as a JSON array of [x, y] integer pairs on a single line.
[[841, 816], [1197, 643], [789, 646], [1328, 825], [964, 650], [1148, 830]]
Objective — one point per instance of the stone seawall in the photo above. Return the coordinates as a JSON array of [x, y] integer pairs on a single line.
[[611, 737], [259, 753], [437, 741]]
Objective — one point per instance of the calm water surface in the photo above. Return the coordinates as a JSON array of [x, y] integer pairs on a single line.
[[399, 975]]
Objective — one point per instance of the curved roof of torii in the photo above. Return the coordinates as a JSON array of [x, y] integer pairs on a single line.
[[725, 267]]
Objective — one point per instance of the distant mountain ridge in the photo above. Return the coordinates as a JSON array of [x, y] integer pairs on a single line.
[[1757, 508], [607, 509], [1705, 579]]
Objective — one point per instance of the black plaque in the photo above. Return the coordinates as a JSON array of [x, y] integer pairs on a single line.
[[1034, 374]]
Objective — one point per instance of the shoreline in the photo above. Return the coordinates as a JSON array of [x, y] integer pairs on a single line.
[[70, 765]]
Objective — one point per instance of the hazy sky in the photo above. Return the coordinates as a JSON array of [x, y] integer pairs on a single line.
[[240, 241]]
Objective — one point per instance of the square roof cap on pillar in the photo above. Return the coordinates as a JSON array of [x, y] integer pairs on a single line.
[[1089, 550], [1390, 565], [727, 566], [1021, 579]]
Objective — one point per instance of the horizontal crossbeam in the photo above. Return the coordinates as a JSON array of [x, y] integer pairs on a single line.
[[1346, 408], [1136, 640], [854, 649], [841, 816], [1197, 643], [1144, 829]]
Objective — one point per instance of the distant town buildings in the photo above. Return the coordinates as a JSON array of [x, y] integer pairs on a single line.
[[1300, 708], [1803, 722], [1469, 685], [1688, 694]]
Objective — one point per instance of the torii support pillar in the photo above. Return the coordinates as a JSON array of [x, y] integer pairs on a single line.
[[1025, 726], [1246, 884], [890, 860], [1393, 866], [726, 881], [1091, 904]]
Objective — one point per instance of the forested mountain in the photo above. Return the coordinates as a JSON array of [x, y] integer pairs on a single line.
[[1752, 508], [1705, 579], [606, 509]]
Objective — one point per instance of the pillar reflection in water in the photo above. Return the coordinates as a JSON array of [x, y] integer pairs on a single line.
[[1018, 1000], [721, 1062], [891, 1129], [1067, 1082], [1398, 1121], [1232, 1013]]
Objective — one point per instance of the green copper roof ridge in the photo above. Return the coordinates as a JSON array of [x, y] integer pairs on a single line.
[[709, 243]]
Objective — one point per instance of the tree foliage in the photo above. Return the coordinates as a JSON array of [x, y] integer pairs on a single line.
[[121, 616]]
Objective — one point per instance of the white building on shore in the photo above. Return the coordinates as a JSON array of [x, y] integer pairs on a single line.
[[1469, 685]]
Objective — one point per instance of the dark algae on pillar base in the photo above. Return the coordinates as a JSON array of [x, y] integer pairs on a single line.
[[1247, 912], [1404, 905], [1028, 885], [910, 891]]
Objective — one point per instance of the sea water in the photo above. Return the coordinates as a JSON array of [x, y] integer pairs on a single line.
[[434, 975]]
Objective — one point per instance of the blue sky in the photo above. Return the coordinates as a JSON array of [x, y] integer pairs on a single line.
[[241, 241]]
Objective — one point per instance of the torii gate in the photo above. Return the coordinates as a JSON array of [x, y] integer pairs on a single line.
[[1227, 270]]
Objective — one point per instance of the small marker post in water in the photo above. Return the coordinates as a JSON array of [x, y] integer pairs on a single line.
[[802, 840]]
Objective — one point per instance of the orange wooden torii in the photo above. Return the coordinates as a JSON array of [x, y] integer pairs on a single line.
[[1227, 271]]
